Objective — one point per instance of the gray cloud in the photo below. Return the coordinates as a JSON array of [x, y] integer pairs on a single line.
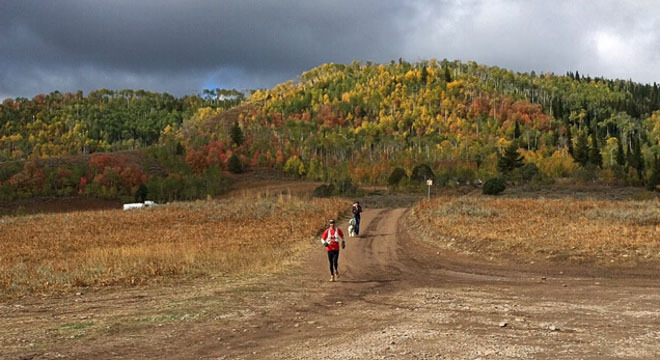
[[603, 38], [185, 46]]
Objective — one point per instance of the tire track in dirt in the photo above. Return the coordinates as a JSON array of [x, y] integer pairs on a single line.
[[370, 264], [373, 256]]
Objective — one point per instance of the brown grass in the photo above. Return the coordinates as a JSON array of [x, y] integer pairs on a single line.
[[555, 229], [46, 253]]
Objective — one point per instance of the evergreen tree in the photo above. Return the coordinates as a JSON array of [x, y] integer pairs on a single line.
[[554, 140], [425, 74], [510, 160], [141, 193], [447, 76], [569, 140], [595, 156], [516, 131], [234, 164], [581, 151], [587, 118], [638, 159], [236, 134], [620, 155], [654, 181]]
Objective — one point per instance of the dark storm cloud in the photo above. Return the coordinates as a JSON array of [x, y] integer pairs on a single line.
[[185, 46], [265, 41]]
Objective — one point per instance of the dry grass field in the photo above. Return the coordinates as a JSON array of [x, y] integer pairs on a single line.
[[245, 278], [592, 231], [247, 234]]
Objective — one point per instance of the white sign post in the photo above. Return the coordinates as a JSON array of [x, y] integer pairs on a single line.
[[429, 183]]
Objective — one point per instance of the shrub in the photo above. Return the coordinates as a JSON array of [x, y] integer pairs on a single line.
[[586, 174], [466, 207], [464, 174], [324, 190], [442, 179], [216, 182], [172, 187], [494, 186], [396, 176], [529, 171], [422, 172], [294, 166], [346, 187]]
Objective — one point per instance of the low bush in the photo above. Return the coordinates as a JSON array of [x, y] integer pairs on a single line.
[[396, 176], [494, 186], [422, 172], [324, 190]]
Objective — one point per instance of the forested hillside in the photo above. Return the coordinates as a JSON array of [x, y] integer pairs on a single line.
[[105, 120], [105, 145], [361, 123], [363, 120]]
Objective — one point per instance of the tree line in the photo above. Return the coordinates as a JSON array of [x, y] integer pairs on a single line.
[[59, 124], [363, 120], [457, 121]]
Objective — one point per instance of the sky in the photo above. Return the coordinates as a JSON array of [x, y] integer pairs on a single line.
[[182, 47]]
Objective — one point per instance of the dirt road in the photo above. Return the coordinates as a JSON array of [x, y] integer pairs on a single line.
[[398, 298]]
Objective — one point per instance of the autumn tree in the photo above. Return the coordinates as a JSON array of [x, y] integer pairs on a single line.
[[654, 179]]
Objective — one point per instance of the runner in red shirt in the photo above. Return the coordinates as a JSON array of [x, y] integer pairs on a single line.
[[330, 239]]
